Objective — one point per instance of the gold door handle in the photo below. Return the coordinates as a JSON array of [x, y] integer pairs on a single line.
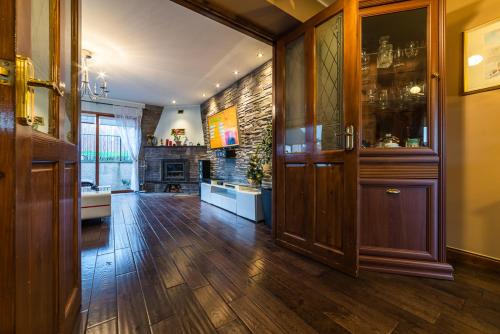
[[25, 92], [58, 89], [393, 191]]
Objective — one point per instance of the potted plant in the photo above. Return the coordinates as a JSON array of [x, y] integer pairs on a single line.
[[177, 138], [265, 149], [254, 170]]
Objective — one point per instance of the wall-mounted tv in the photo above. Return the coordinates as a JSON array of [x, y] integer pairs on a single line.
[[223, 128]]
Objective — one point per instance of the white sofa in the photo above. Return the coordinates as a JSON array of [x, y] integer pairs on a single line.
[[96, 204]]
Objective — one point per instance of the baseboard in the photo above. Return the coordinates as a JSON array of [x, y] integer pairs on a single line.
[[455, 255]]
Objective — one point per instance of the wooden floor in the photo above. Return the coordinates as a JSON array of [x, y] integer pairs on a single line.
[[167, 264]]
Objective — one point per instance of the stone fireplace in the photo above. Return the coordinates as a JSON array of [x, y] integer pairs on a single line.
[[171, 168]]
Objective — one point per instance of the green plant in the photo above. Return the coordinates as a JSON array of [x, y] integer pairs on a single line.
[[254, 169], [265, 147], [176, 136]]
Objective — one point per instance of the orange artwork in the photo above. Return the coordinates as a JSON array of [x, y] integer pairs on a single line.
[[223, 128]]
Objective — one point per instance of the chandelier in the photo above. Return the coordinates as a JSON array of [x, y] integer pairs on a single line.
[[85, 87]]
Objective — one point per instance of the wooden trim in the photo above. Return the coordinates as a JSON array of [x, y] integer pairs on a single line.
[[461, 256], [228, 19], [122, 191]]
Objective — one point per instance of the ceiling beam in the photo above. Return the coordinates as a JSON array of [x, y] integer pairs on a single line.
[[302, 10], [229, 19]]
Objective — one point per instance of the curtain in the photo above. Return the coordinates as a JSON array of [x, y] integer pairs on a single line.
[[128, 121]]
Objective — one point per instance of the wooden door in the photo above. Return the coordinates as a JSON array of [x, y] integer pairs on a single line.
[[39, 176], [316, 137]]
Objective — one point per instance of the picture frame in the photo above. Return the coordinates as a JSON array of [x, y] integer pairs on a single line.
[[481, 58]]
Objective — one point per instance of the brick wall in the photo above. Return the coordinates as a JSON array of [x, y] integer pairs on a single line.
[[150, 117], [252, 96]]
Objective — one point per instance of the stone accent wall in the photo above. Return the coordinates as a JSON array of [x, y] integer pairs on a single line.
[[155, 154], [253, 98], [150, 117]]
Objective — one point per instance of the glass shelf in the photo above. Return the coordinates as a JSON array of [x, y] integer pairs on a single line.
[[394, 84]]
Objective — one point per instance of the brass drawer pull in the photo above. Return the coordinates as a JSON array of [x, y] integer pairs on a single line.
[[393, 191], [58, 89]]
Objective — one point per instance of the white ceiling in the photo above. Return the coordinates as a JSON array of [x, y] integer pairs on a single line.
[[156, 51]]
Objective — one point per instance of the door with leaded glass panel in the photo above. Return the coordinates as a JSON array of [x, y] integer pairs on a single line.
[[316, 124]]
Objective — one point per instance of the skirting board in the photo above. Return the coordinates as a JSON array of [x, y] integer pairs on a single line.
[[461, 256]]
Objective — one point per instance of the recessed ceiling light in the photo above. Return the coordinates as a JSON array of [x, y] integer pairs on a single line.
[[217, 85], [236, 72], [204, 95], [260, 55], [174, 102]]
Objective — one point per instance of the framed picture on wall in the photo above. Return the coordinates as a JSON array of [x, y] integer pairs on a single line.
[[481, 56]]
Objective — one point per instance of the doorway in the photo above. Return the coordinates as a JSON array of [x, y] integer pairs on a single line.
[[105, 159]]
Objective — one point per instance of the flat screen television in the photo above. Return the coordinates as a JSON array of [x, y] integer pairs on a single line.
[[223, 128]]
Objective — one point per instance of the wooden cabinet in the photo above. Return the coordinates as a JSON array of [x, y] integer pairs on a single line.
[[377, 195], [402, 222]]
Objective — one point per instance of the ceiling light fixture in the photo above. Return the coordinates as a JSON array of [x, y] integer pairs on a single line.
[[217, 85], [174, 102], [204, 95], [260, 55], [85, 87], [236, 72]]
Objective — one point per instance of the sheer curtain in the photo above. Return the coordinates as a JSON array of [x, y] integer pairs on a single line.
[[128, 121]]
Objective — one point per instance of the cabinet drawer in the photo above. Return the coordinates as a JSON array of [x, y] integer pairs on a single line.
[[399, 218]]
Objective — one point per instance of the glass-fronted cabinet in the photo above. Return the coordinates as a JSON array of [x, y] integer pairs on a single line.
[[394, 80]]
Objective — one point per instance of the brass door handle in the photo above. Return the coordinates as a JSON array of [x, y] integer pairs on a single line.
[[58, 89], [393, 191]]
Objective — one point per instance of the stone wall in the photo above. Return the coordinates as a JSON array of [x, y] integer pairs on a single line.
[[253, 98]]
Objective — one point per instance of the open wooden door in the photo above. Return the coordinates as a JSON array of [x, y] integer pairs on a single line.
[[316, 123], [39, 167]]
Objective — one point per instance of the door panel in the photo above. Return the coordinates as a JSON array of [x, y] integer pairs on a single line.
[[43, 242], [296, 217], [329, 179], [317, 178]]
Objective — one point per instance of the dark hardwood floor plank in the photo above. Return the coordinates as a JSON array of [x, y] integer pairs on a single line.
[[170, 325], [217, 310], [189, 312], [174, 264], [103, 299], [132, 314], [108, 327], [191, 274], [155, 295], [253, 317], [124, 261], [234, 327]]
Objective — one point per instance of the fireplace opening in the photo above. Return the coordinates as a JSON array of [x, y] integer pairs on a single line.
[[174, 170]]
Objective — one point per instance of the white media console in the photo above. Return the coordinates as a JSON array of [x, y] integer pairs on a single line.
[[241, 200]]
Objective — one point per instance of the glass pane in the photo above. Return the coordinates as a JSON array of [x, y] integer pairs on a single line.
[[66, 67], [329, 112], [295, 111], [88, 144], [40, 55], [115, 162], [394, 81]]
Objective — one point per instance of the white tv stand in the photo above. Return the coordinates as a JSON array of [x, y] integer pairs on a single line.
[[238, 199]]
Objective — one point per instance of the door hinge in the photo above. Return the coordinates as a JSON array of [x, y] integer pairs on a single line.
[[7, 71]]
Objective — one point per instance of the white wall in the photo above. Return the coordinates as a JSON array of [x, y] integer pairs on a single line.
[[189, 120]]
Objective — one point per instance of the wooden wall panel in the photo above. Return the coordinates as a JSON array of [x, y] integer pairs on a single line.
[[329, 179], [296, 217], [42, 249]]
